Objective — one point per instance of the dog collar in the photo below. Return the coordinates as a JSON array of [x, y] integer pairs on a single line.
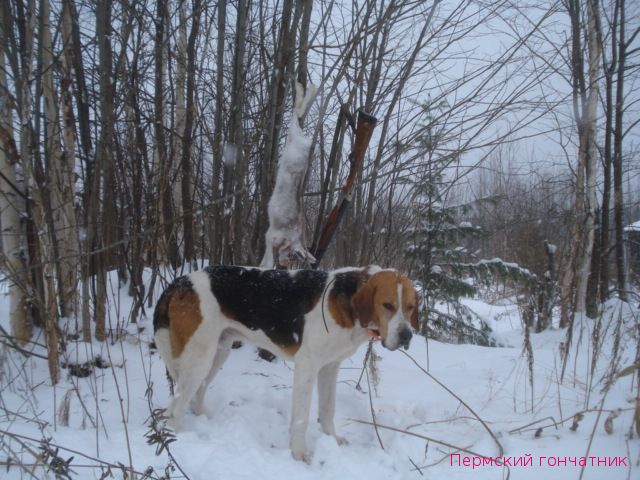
[[374, 332]]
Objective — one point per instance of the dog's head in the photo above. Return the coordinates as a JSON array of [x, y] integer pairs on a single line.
[[388, 303]]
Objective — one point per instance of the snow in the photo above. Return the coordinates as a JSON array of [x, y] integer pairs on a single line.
[[244, 434], [496, 261], [634, 227], [229, 154], [436, 269]]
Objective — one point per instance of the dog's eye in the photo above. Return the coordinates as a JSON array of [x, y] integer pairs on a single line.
[[388, 306]]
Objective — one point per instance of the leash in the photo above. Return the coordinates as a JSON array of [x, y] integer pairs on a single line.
[[324, 294], [375, 334]]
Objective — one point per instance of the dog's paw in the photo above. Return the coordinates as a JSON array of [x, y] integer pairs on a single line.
[[175, 424], [200, 410], [341, 440], [302, 456]]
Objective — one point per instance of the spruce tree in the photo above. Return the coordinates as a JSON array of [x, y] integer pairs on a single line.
[[446, 270]]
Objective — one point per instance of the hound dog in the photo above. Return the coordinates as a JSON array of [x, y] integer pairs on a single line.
[[313, 317]]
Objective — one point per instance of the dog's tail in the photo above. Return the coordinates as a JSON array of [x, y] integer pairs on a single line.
[[161, 317], [161, 313]]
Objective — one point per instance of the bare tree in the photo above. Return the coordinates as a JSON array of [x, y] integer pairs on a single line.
[[166, 212], [282, 67], [216, 232], [237, 163], [101, 206], [187, 137], [60, 169], [620, 129], [585, 102], [12, 208]]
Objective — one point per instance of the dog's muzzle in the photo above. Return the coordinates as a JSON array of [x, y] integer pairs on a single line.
[[405, 338], [402, 339]]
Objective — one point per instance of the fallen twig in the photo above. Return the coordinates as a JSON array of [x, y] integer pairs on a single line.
[[423, 437], [437, 462], [558, 423], [416, 467], [522, 428]]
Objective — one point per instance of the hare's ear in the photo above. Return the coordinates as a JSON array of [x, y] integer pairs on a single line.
[[362, 303]]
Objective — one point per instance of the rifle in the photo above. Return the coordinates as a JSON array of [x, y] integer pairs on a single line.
[[364, 130]]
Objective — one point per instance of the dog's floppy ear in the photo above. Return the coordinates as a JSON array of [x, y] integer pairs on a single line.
[[362, 303], [414, 315]]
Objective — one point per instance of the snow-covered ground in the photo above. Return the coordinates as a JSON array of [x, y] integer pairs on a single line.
[[106, 416]]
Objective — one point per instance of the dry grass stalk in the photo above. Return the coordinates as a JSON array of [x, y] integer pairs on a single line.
[[484, 424], [65, 408]]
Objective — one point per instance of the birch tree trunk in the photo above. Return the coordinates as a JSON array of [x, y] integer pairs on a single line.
[[618, 197], [44, 297], [61, 163], [26, 23], [71, 249], [73, 82], [11, 209], [585, 102], [588, 154], [605, 234]]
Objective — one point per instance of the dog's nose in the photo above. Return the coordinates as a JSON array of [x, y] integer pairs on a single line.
[[405, 338]]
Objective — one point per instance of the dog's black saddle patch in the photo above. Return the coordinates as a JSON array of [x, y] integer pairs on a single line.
[[274, 301]]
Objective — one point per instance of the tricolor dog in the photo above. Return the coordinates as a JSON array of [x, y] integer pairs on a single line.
[[313, 317]]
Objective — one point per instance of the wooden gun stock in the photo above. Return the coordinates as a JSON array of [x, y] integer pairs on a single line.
[[364, 129]]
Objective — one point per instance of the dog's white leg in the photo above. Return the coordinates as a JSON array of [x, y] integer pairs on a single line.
[[224, 348], [192, 367], [303, 380], [186, 388], [327, 378]]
